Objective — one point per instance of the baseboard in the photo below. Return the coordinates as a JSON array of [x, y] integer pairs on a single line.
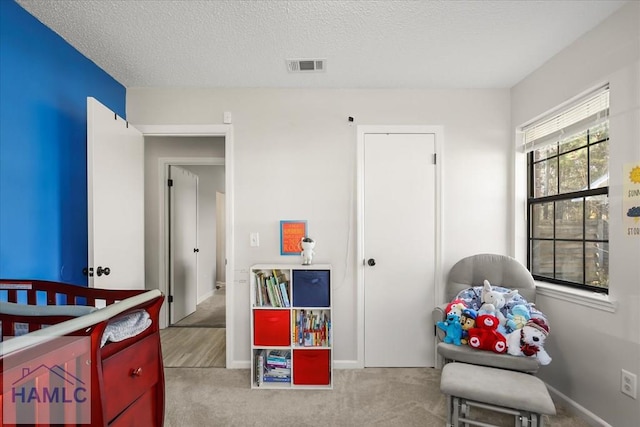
[[346, 364], [239, 364], [577, 409]]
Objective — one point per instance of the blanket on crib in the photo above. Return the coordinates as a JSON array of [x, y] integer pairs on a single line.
[[126, 326]]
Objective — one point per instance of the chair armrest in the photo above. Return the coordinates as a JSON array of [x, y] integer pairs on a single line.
[[437, 315]]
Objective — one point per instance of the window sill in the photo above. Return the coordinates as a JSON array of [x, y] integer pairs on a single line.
[[577, 296]]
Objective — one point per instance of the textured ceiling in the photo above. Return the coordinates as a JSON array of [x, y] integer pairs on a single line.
[[372, 44]]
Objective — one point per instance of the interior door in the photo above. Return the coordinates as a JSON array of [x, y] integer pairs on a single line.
[[183, 205], [399, 249], [115, 190], [221, 237]]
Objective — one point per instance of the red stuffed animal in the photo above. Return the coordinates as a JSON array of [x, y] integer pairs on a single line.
[[456, 306], [485, 335]]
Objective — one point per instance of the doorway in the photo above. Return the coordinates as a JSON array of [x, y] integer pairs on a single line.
[[197, 338], [209, 300], [157, 253], [398, 244]]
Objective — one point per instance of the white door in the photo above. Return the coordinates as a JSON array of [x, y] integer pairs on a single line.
[[399, 249], [221, 237], [183, 205], [115, 193]]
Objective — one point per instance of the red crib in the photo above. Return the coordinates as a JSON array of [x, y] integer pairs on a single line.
[[57, 372]]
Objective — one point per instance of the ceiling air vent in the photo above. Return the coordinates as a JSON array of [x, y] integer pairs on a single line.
[[306, 65]]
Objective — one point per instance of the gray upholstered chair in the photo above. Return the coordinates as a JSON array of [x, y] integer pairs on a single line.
[[499, 270]]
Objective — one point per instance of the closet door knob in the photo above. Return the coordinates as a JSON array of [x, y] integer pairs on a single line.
[[371, 262]]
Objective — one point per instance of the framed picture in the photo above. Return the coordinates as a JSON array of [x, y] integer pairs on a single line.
[[291, 232]]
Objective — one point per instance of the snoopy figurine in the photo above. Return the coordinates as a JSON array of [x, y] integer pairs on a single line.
[[307, 245]]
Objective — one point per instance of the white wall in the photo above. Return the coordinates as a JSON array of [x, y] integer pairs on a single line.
[[157, 148], [589, 346], [210, 180], [295, 158]]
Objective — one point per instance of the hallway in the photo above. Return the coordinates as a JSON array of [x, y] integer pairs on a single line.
[[198, 340], [210, 313]]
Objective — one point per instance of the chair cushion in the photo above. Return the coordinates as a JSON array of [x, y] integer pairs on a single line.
[[466, 354], [497, 387]]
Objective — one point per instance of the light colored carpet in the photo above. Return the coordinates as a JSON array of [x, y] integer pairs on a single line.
[[398, 397]]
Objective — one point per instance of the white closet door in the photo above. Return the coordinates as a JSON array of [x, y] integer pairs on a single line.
[[399, 249], [184, 243]]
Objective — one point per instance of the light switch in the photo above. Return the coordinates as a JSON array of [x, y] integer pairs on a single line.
[[254, 239], [227, 117]]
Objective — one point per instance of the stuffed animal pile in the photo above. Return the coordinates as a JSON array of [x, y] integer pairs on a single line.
[[496, 319]]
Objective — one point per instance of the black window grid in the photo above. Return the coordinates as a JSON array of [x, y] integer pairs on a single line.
[[583, 194]]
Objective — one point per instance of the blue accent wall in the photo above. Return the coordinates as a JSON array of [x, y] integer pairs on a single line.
[[44, 84]]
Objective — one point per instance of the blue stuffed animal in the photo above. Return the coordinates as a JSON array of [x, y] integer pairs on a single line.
[[518, 317], [452, 327]]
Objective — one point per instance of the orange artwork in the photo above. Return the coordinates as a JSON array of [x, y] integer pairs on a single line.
[[291, 232]]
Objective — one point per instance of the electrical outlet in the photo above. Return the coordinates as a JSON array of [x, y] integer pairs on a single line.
[[629, 384]]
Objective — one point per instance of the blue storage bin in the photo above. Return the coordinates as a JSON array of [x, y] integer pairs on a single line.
[[311, 288]]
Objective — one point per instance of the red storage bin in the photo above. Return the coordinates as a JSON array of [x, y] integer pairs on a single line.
[[312, 367], [271, 327]]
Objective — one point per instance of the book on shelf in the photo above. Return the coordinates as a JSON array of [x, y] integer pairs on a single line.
[[269, 379], [272, 366], [263, 296], [285, 293], [275, 370], [259, 367], [312, 328], [279, 358], [273, 294], [271, 290], [281, 283], [276, 291], [256, 289], [278, 354], [275, 364]]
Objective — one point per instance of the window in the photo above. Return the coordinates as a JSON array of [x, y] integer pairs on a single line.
[[568, 194]]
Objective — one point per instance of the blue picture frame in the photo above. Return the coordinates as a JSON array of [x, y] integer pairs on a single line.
[[291, 233]]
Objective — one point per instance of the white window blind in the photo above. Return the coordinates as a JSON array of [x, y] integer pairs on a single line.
[[580, 115]]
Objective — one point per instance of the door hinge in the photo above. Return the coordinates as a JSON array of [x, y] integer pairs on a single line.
[[435, 158], [170, 298], [170, 182]]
